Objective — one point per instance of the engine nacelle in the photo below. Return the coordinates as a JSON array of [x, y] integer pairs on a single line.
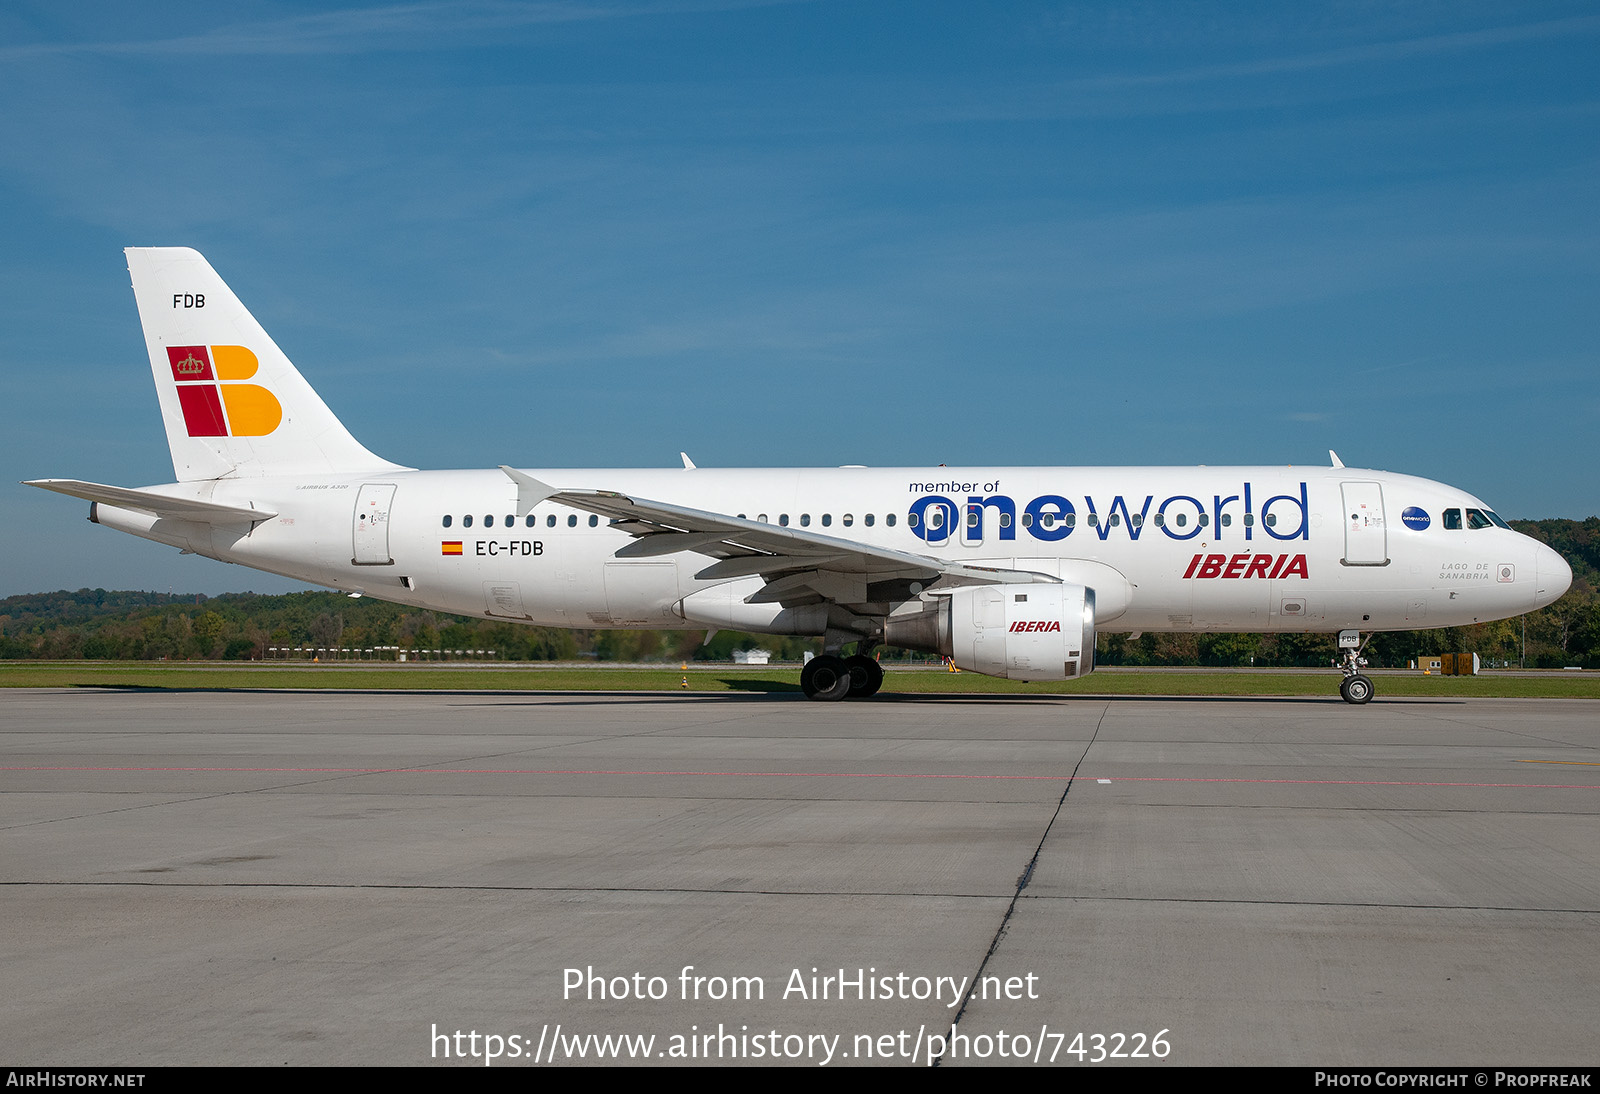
[[1020, 632]]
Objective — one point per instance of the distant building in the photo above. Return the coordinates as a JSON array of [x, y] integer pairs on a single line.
[[751, 657]]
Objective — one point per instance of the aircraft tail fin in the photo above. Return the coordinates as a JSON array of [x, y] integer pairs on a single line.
[[233, 404]]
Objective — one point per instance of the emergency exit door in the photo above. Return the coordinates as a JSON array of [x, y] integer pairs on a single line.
[[371, 527], [1366, 539]]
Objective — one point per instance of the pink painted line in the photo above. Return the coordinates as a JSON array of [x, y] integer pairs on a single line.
[[537, 771], [1342, 782], [809, 775]]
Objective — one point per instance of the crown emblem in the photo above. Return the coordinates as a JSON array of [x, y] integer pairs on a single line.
[[190, 366]]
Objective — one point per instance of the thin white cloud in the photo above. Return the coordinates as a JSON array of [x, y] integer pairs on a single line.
[[1398, 49], [396, 27]]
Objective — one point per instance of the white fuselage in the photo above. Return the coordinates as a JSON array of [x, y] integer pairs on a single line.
[[1172, 548]]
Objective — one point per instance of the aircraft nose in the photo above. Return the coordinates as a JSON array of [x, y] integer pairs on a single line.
[[1554, 576]]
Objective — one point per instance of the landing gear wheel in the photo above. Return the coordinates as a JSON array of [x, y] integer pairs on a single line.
[[826, 677], [866, 676], [1356, 689]]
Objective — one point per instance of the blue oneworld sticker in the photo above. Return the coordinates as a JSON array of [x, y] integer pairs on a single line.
[[1415, 518]]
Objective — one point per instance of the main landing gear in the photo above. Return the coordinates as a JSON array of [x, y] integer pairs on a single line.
[[1354, 688], [831, 677]]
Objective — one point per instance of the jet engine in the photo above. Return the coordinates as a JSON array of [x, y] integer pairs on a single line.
[[1020, 632]]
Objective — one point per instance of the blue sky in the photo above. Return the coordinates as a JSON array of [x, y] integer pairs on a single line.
[[594, 234]]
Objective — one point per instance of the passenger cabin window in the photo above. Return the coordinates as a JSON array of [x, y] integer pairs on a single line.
[[1204, 520], [1227, 520], [1183, 520], [1272, 520], [1094, 520], [488, 520], [1005, 520], [572, 520], [847, 520], [594, 521], [887, 520], [1249, 520], [783, 519], [447, 519], [550, 521], [1452, 520], [869, 519], [827, 520], [805, 520], [466, 521], [531, 519], [1161, 520], [1137, 520]]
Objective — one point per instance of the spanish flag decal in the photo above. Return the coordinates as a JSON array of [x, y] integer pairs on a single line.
[[450, 547]]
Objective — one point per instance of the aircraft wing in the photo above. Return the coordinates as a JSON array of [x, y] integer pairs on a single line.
[[151, 501], [798, 565]]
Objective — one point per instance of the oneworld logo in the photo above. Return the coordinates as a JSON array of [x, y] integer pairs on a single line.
[[214, 405], [936, 518]]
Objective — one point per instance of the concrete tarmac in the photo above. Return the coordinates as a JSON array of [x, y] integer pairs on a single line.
[[349, 878]]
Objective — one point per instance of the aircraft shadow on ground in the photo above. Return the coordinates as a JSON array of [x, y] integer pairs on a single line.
[[746, 689]]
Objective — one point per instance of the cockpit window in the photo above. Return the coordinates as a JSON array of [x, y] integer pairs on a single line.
[[1476, 520], [1452, 520], [1498, 523]]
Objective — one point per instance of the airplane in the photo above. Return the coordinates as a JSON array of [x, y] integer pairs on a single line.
[[1008, 571]]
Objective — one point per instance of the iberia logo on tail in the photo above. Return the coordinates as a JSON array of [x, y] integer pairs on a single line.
[[213, 405]]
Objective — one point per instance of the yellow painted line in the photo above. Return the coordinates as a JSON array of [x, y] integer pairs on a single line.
[[1570, 763]]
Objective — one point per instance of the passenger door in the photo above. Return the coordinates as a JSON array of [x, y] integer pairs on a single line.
[[370, 531], [1366, 539]]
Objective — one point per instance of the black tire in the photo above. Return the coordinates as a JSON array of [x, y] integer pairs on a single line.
[[826, 678], [1356, 689], [866, 676]]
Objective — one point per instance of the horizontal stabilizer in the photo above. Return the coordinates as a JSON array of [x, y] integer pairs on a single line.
[[150, 501]]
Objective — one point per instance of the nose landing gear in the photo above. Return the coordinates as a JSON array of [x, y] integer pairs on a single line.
[[1354, 688]]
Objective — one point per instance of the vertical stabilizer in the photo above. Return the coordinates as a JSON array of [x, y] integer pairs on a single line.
[[234, 406]]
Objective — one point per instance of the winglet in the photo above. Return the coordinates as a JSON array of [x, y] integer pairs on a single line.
[[688, 464], [1334, 456], [530, 491]]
